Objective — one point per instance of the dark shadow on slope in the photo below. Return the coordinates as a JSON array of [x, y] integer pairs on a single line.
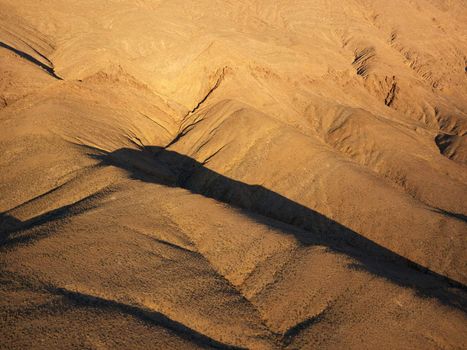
[[457, 216], [31, 59], [158, 165], [15, 232], [16, 282], [8, 225], [150, 316]]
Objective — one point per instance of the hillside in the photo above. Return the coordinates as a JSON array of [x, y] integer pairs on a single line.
[[233, 174]]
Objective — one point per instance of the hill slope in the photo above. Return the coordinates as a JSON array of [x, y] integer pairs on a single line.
[[233, 174]]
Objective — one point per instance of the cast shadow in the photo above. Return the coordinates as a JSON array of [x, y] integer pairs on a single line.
[[161, 166], [31, 59], [14, 232]]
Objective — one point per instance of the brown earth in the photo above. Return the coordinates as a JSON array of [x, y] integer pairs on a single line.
[[233, 174]]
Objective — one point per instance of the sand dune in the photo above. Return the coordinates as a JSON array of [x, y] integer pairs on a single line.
[[233, 174]]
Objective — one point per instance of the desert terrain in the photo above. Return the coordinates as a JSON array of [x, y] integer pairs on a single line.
[[233, 174]]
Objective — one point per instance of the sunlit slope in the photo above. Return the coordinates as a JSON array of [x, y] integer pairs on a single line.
[[233, 174]]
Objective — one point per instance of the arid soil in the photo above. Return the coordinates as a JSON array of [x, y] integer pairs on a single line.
[[231, 174]]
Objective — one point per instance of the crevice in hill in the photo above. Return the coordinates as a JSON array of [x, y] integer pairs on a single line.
[[363, 60], [48, 69], [204, 162], [457, 216], [184, 129], [444, 141], [391, 95], [211, 90], [155, 122], [450, 146]]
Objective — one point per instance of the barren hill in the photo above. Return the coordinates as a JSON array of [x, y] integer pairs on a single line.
[[233, 174]]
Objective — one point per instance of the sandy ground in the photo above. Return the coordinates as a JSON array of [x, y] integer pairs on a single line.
[[233, 174]]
